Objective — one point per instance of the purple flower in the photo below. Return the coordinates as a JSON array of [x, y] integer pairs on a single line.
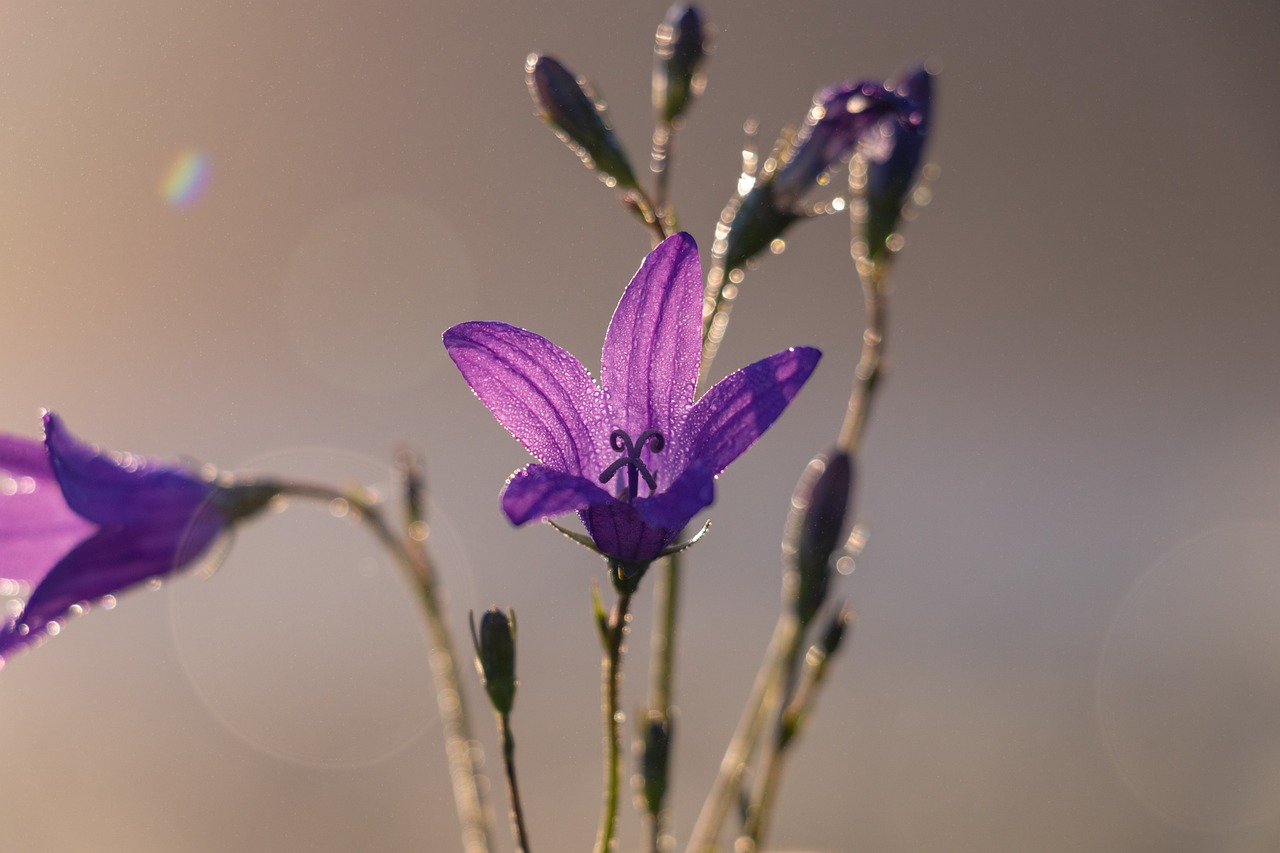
[[78, 524], [635, 456]]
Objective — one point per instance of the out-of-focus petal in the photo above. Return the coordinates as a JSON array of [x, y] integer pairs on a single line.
[[536, 492], [36, 526], [539, 392], [734, 413], [121, 489], [109, 562], [652, 350]]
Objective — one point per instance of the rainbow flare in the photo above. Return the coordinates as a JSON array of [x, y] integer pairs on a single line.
[[186, 179]]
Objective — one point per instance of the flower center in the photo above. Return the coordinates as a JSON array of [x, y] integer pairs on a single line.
[[620, 441]]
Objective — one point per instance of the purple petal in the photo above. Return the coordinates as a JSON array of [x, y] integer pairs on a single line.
[[653, 348], [740, 407], [106, 563], [122, 489], [619, 531], [37, 528], [536, 492], [539, 392], [681, 501]]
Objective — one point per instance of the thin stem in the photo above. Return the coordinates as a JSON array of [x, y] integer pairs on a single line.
[[666, 596], [412, 557], [733, 766], [513, 789], [867, 375], [611, 675], [716, 305], [663, 139]]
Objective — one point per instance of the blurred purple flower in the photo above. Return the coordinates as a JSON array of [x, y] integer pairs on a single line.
[[78, 524], [893, 165], [841, 117], [639, 429]]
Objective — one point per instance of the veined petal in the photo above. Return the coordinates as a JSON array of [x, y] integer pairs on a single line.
[[122, 489], [37, 527], [739, 408], [653, 348], [106, 563], [539, 392], [536, 492], [618, 530], [694, 489]]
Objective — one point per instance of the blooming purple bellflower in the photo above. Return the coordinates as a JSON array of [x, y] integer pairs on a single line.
[[635, 456], [78, 524]]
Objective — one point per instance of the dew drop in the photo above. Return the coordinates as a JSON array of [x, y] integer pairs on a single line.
[[53, 629], [8, 486], [154, 583], [419, 531], [894, 242], [107, 602], [338, 507], [778, 246]]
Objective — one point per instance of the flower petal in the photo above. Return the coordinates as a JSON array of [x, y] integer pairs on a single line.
[[122, 489], [108, 562], [740, 407], [539, 392], [653, 348], [536, 492], [37, 528], [620, 533], [694, 489]]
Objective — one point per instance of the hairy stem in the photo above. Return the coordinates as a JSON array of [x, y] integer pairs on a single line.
[[866, 377], [412, 557], [513, 789], [765, 694], [611, 675]]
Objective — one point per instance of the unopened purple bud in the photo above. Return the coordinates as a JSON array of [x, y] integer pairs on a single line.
[[495, 644], [818, 509], [841, 116], [579, 118], [892, 171], [679, 48]]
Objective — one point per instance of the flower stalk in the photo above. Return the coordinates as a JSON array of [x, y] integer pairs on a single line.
[[612, 635], [411, 555]]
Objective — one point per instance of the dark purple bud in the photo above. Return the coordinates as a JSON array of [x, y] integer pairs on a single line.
[[841, 116], [679, 48], [495, 644], [579, 118], [654, 760], [818, 509], [892, 167]]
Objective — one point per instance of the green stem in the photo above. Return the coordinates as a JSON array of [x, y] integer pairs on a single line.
[[509, 759], [611, 675], [765, 693], [666, 596], [411, 555], [866, 377]]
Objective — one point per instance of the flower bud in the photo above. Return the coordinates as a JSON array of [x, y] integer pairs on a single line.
[[653, 761], [495, 645], [579, 118], [841, 116], [679, 48], [818, 509], [892, 170]]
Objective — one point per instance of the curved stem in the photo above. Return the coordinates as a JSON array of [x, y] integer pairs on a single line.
[[611, 675], [867, 375], [509, 759], [765, 693], [420, 570]]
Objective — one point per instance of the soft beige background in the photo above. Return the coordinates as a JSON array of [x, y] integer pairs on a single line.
[[1067, 636]]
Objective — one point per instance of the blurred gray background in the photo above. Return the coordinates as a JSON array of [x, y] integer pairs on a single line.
[[1067, 634]]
